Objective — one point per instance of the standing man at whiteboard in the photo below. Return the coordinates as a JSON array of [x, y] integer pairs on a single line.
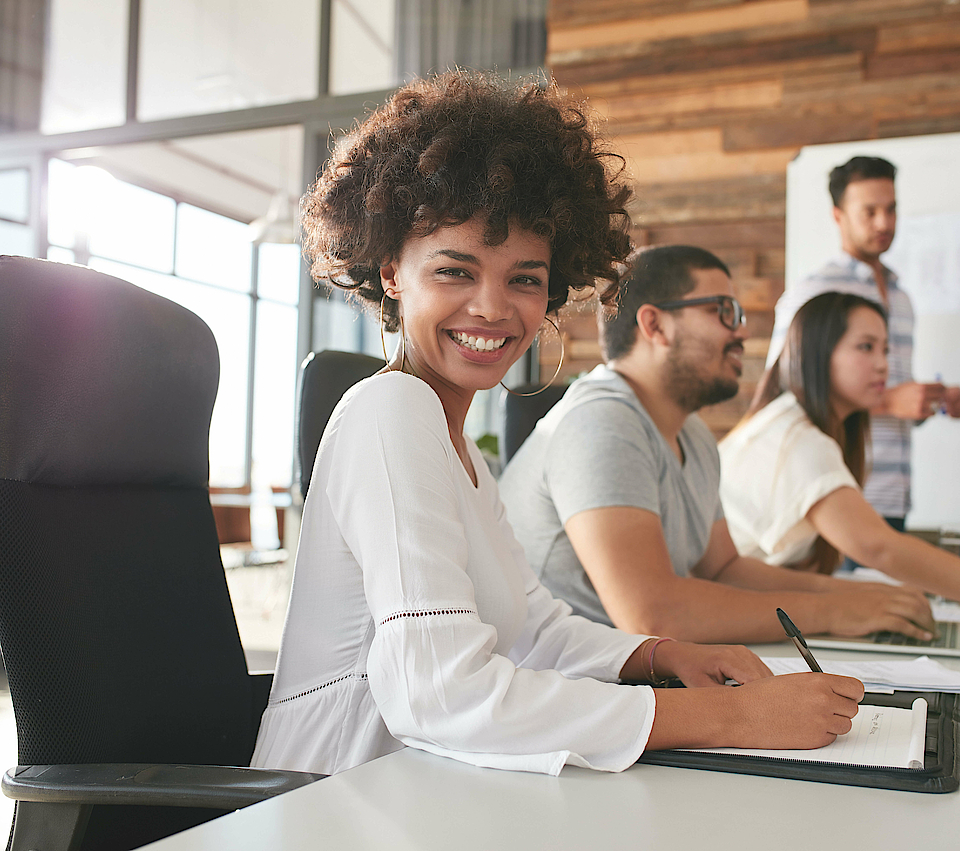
[[865, 210]]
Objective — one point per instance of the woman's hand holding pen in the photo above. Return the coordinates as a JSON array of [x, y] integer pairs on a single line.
[[801, 710], [796, 710]]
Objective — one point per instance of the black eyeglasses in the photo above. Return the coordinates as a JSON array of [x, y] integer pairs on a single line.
[[728, 308]]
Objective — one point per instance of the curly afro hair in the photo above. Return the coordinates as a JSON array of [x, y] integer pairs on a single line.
[[445, 149]]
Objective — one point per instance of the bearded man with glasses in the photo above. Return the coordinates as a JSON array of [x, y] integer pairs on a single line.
[[615, 495]]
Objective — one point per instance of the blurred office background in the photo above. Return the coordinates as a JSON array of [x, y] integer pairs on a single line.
[[168, 142]]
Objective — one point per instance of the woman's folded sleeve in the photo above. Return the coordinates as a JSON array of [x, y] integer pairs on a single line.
[[809, 467], [432, 668]]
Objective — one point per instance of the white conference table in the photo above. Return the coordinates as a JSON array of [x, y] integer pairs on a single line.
[[413, 800]]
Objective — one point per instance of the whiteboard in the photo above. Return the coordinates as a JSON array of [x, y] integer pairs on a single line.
[[926, 256]]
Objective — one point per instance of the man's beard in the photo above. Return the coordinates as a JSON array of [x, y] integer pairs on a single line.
[[690, 390]]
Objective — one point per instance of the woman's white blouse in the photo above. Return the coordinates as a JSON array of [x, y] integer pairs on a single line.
[[415, 620], [773, 469]]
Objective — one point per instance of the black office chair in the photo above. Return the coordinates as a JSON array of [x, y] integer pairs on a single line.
[[127, 675], [519, 415], [324, 377]]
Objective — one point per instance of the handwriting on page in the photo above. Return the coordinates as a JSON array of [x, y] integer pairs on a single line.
[[879, 741]]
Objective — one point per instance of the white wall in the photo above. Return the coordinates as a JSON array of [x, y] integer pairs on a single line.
[[926, 255]]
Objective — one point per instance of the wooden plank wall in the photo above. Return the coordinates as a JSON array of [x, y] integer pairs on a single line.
[[709, 100]]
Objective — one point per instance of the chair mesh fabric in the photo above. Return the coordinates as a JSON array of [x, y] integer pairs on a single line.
[[115, 619], [120, 643]]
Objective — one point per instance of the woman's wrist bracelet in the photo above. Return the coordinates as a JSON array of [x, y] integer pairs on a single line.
[[657, 681]]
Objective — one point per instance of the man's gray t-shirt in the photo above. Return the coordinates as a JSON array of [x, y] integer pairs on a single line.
[[598, 448]]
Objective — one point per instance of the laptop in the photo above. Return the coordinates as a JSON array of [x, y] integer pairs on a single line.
[[946, 616], [947, 642]]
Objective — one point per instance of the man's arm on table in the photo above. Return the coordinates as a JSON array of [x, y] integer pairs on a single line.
[[624, 553]]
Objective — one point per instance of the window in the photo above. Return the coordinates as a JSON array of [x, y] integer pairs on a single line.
[[16, 236], [205, 262], [85, 69], [14, 195], [15, 239], [275, 366], [362, 55], [202, 56]]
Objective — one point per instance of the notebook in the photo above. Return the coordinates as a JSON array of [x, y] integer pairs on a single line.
[[881, 737], [940, 770]]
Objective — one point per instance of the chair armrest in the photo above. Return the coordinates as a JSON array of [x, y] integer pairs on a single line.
[[216, 786]]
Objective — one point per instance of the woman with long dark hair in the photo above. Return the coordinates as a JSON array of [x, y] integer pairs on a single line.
[[793, 469], [463, 211]]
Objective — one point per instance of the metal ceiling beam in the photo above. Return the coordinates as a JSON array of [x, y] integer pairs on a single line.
[[336, 112]]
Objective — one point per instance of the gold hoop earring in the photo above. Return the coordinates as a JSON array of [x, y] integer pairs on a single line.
[[555, 374], [383, 340]]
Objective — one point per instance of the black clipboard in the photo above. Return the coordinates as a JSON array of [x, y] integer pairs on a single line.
[[940, 772]]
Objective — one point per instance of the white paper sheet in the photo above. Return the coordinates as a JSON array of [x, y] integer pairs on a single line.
[[921, 674]]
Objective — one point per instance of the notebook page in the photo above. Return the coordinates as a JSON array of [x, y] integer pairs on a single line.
[[881, 737]]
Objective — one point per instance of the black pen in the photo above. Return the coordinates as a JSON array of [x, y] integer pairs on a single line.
[[790, 628]]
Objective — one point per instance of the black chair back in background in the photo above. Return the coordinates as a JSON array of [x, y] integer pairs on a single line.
[[324, 377], [519, 415], [116, 625]]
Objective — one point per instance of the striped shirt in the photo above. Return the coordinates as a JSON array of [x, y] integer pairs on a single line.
[[888, 485]]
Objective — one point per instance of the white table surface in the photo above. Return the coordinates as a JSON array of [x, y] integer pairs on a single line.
[[413, 800]]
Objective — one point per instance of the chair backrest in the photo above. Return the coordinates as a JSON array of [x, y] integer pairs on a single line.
[[115, 620], [519, 415], [324, 377]]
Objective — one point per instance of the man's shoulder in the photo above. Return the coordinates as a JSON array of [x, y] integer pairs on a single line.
[[845, 273], [600, 383], [841, 274], [595, 409], [837, 274], [597, 394], [838, 266], [604, 407]]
